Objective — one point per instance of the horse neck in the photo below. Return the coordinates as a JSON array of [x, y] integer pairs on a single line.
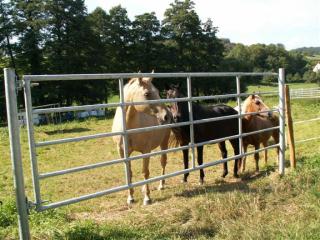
[[183, 108], [130, 112]]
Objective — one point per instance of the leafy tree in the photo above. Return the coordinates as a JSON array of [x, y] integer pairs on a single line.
[[119, 40], [146, 35], [72, 47], [183, 27], [28, 18], [194, 46]]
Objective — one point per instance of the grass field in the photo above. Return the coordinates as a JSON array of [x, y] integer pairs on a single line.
[[257, 206]]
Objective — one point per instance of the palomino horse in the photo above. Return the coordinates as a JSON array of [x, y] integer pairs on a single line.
[[251, 123], [140, 116], [204, 131]]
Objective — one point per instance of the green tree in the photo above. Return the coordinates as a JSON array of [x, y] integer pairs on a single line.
[[72, 47], [28, 18], [119, 40], [145, 46], [193, 45]]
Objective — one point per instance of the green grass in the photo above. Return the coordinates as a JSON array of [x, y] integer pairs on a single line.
[[259, 206], [264, 88]]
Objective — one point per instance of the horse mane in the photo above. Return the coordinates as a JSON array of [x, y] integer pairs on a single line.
[[247, 104]]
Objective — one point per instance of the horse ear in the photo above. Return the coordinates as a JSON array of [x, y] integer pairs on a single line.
[[151, 78], [253, 96], [140, 81]]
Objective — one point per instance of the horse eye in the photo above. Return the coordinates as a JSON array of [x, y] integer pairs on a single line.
[[258, 103]]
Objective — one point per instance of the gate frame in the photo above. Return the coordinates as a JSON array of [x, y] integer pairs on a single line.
[[14, 133]]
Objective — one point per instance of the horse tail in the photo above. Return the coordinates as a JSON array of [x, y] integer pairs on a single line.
[[175, 138]]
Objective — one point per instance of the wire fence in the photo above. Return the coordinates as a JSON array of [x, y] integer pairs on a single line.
[[307, 93]]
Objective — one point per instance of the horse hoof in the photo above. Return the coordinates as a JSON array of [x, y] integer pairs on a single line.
[[161, 187], [130, 201], [184, 181], [236, 175], [224, 175], [146, 202], [201, 182]]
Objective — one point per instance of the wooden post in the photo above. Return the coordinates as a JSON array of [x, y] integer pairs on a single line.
[[290, 128]]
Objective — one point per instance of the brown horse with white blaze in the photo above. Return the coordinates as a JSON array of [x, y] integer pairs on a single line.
[[251, 123], [141, 116]]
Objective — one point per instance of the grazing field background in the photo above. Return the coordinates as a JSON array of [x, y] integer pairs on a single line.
[[262, 206]]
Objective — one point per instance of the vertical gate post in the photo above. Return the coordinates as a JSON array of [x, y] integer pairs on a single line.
[[191, 120], [290, 129], [281, 83], [15, 149], [240, 112]]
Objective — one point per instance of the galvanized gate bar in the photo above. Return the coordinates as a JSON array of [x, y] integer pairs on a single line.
[[32, 147], [150, 180], [125, 153], [15, 149], [189, 90], [58, 77], [239, 113], [146, 129], [281, 83], [113, 105], [132, 158]]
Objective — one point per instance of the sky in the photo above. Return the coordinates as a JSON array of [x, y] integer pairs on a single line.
[[294, 23]]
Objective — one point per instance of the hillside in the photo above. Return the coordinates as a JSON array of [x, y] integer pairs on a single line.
[[308, 50]]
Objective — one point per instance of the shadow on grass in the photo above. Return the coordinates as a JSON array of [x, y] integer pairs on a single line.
[[222, 186], [73, 130], [90, 231]]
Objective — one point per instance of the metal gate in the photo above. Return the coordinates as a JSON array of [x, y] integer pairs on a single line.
[[14, 133]]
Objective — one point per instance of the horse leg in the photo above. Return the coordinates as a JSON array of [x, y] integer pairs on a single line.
[[265, 144], [243, 164], [200, 162], [145, 189], [163, 160], [224, 154], [275, 136], [186, 164], [256, 157], [130, 198], [237, 161]]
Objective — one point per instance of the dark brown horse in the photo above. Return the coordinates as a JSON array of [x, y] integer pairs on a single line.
[[204, 131]]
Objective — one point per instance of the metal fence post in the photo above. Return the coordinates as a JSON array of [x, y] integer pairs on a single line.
[[15, 148], [125, 134], [239, 113], [32, 147], [282, 144], [191, 120]]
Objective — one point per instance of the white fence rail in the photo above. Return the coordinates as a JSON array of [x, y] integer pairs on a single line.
[[40, 205], [305, 93]]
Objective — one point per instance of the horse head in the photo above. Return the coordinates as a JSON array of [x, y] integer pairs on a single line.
[[173, 91], [141, 90], [254, 103]]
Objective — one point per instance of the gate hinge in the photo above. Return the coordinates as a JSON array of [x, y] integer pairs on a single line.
[[19, 84], [30, 205], [33, 206]]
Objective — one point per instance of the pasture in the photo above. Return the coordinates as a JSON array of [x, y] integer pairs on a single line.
[[262, 206]]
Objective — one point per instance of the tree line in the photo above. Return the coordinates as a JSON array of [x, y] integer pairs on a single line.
[[60, 36]]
